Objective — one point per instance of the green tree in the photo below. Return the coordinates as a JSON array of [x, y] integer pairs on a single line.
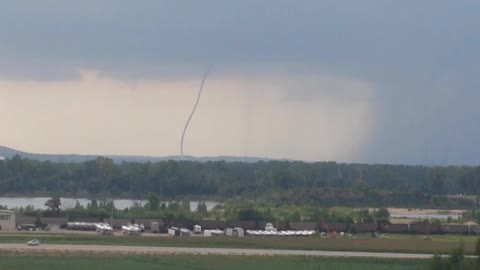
[[477, 252], [249, 214], [78, 205], [455, 261], [202, 209], [153, 201], [93, 204], [437, 177], [295, 216], [364, 216], [54, 204], [382, 215], [185, 206]]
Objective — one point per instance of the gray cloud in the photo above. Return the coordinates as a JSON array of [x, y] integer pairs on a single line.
[[371, 38], [422, 56]]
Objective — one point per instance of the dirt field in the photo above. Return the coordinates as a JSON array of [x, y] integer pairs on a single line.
[[403, 211]]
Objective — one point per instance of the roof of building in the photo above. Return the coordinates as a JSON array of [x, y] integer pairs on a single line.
[[470, 223], [7, 211]]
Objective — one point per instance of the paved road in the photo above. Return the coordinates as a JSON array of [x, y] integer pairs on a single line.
[[202, 251]]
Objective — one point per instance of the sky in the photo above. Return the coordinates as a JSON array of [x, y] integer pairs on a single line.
[[372, 81]]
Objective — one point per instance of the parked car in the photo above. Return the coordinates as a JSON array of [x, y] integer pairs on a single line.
[[33, 242]]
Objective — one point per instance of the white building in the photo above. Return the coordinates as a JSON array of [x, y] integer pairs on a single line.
[[7, 220]]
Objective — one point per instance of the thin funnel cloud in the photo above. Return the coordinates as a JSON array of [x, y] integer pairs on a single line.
[[199, 96]]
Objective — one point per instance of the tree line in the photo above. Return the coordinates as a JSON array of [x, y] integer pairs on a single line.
[[322, 183], [180, 210]]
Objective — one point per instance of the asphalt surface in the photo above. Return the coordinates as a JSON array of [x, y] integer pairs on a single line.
[[59, 249]]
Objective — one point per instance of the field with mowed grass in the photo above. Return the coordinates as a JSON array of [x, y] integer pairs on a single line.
[[405, 244], [13, 261]]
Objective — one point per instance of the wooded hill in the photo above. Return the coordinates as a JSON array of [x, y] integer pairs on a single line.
[[7, 152]]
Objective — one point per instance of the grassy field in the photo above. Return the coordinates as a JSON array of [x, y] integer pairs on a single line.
[[407, 244], [180, 262]]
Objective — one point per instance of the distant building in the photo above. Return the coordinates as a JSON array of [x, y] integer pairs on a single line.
[[7, 220]]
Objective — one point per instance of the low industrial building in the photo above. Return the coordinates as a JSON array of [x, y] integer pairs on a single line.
[[7, 220]]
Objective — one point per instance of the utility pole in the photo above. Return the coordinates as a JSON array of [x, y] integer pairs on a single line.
[[111, 216], [112, 206]]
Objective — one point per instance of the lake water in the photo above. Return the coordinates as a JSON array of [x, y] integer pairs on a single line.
[[39, 203]]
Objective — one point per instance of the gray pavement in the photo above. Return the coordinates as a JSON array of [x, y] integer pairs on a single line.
[[202, 251]]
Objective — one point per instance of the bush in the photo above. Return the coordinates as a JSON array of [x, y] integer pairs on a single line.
[[456, 261]]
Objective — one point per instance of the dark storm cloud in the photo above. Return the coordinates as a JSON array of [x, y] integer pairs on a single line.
[[367, 38], [422, 56]]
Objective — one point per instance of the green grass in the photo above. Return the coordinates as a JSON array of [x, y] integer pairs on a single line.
[[180, 262], [407, 244]]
